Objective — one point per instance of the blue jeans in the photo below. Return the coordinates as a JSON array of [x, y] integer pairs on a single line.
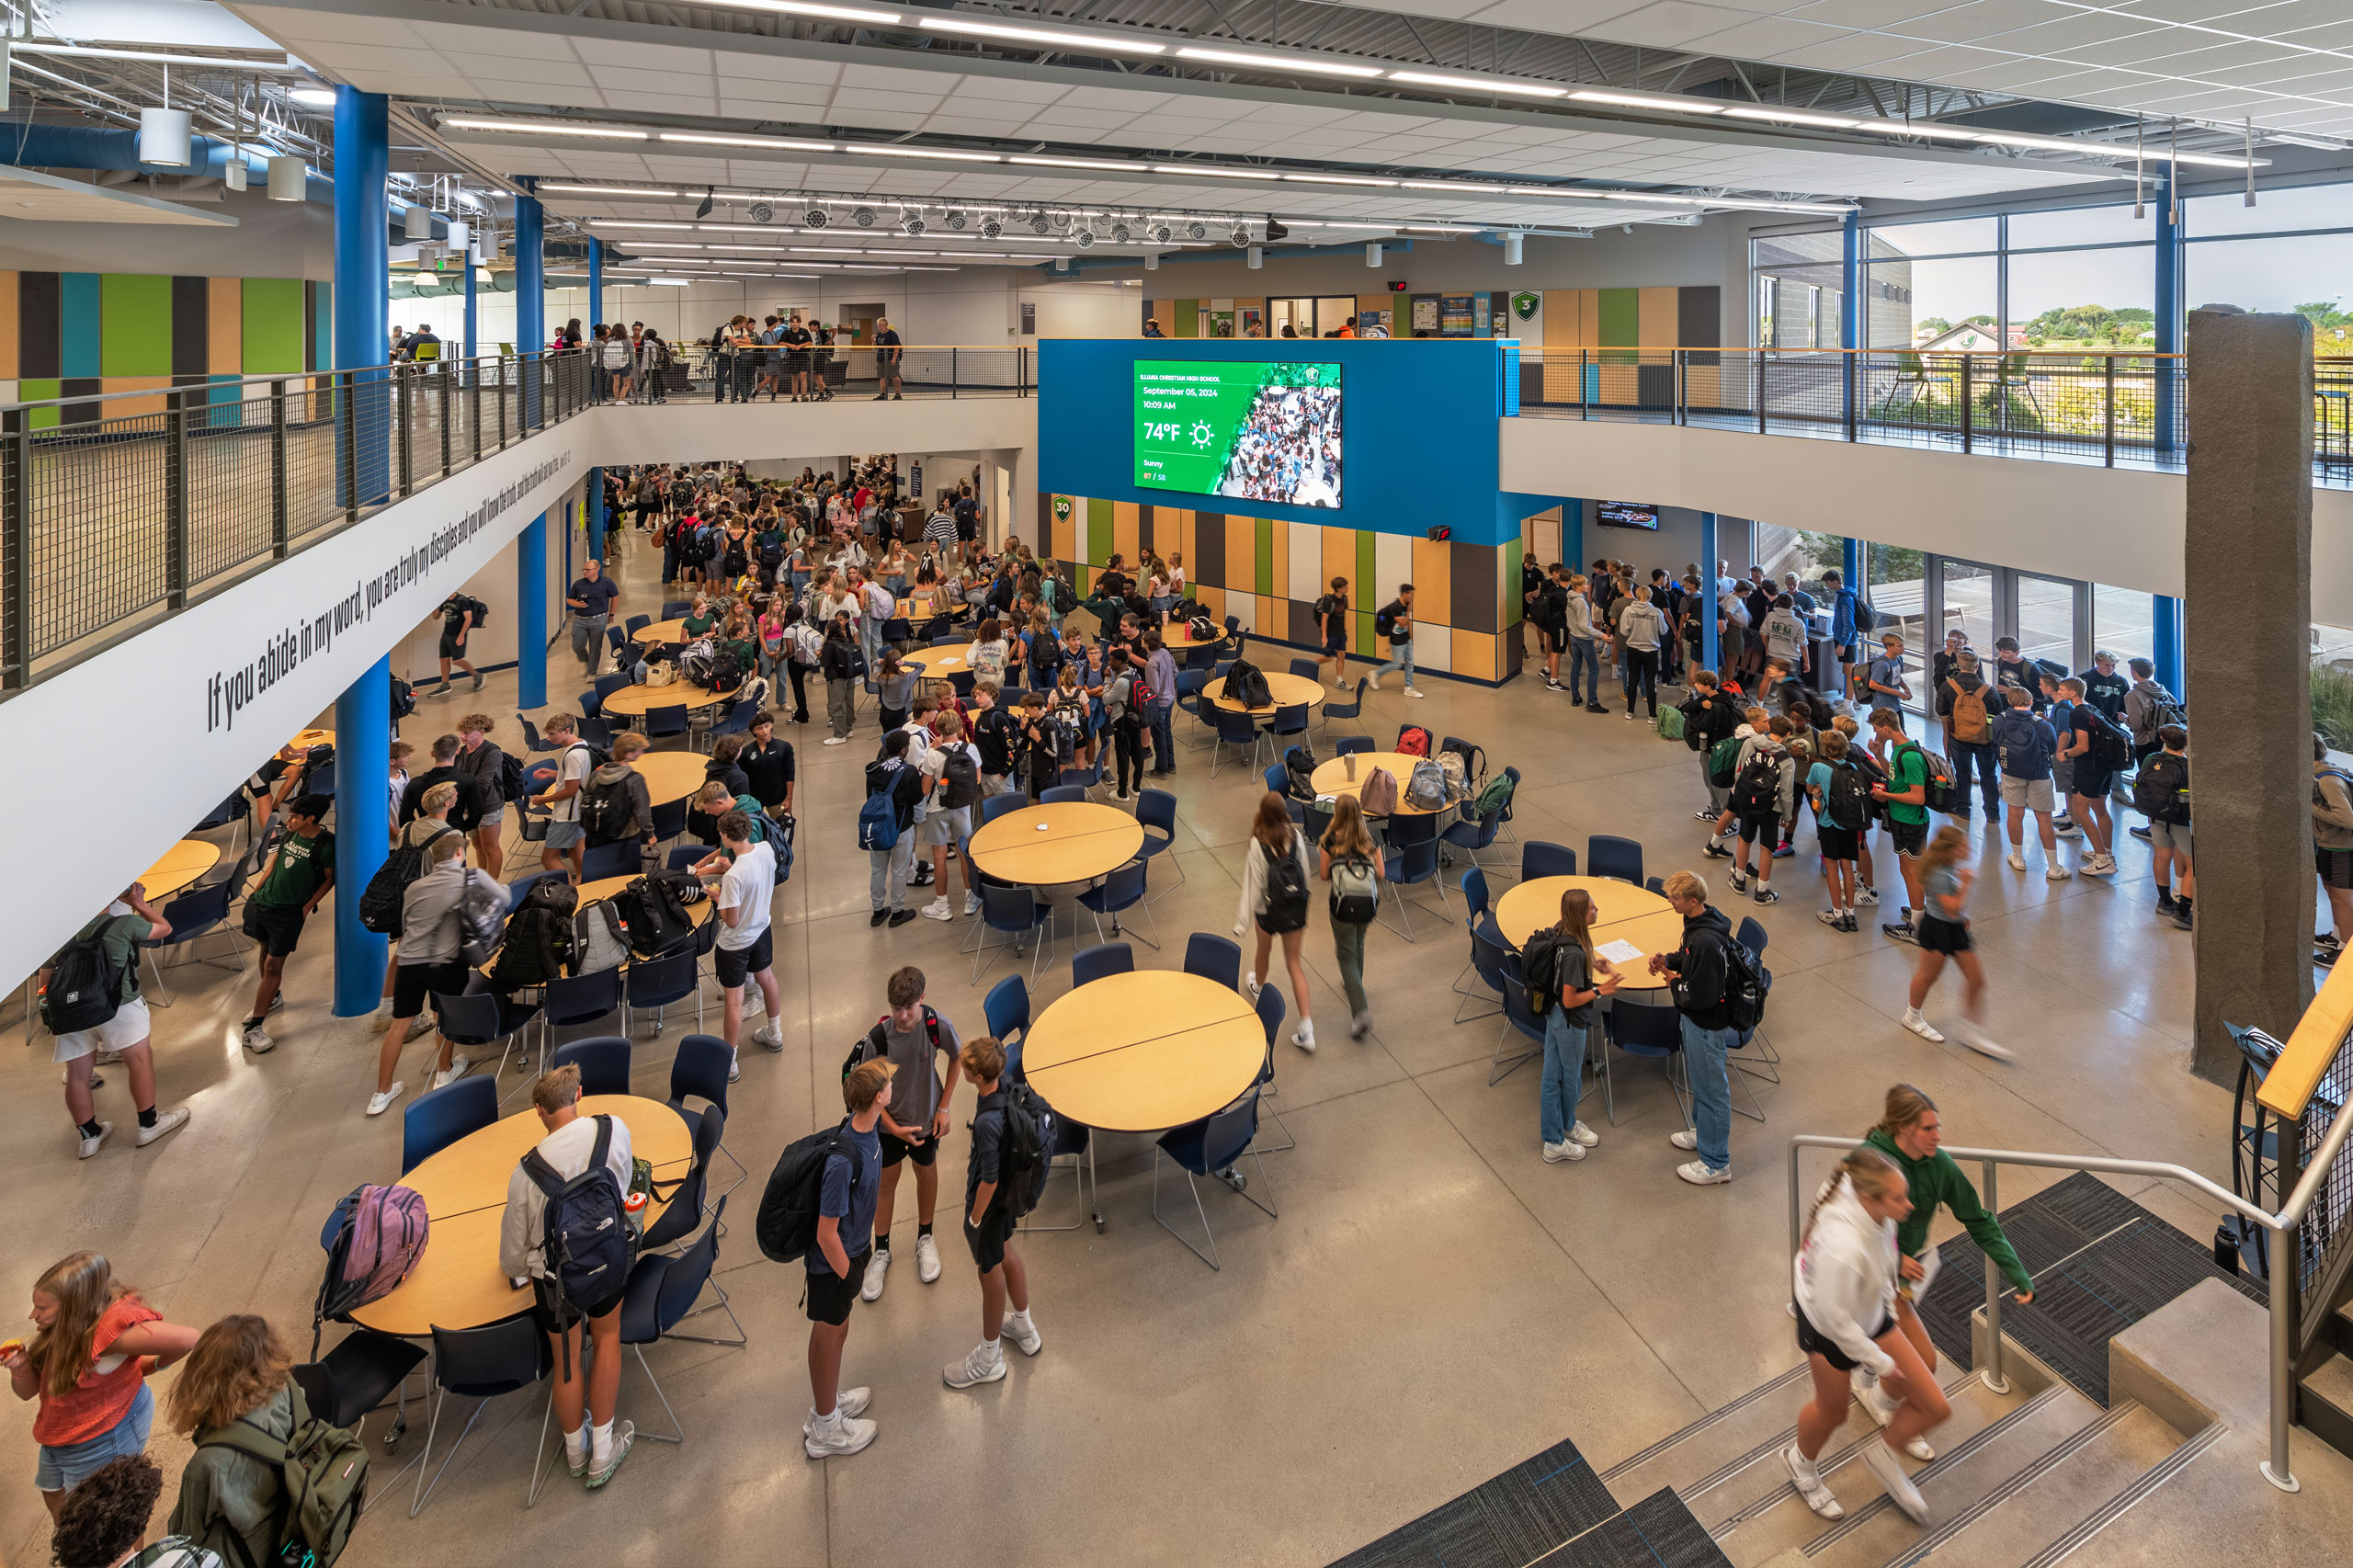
[[1163, 737], [1703, 1059], [1556, 1098], [1584, 656], [1401, 657]]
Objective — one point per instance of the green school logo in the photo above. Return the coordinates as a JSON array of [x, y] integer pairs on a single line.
[[1524, 305], [1061, 508]]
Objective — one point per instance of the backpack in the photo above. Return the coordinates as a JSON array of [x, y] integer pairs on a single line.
[[1298, 772], [1539, 962], [1670, 725], [2111, 748], [2165, 709], [878, 822], [403, 699], [1723, 761], [1757, 792], [321, 1479], [654, 911], [726, 670], [85, 983], [786, 1227], [1495, 797], [733, 562], [372, 1240], [1247, 684], [1355, 892], [1028, 1151], [586, 1235], [1384, 622], [538, 946], [696, 660], [2161, 790], [1413, 740], [776, 833], [869, 1046], [1378, 794], [1747, 983], [1475, 763], [380, 905], [1937, 775], [1428, 789], [772, 553], [482, 921], [1848, 798], [1692, 732], [606, 812], [512, 784], [1203, 629], [960, 777], [1967, 722], [1286, 893], [480, 611]]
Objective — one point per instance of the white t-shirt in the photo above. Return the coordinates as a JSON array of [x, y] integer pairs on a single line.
[[750, 886], [572, 767], [935, 767]]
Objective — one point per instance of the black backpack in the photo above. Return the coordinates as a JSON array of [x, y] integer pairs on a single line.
[[403, 699], [867, 1047], [1757, 792], [1245, 683], [959, 777], [1746, 985], [1384, 622], [85, 983], [538, 946], [653, 910], [512, 785], [786, 1226], [1848, 798], [481, 610], [1540, 960], [588, 1240], [1027, 1152], [2161, 790], [606, 812], [1286, 893], [1298, 771], [379, 906], [2111, 748], [1203, 629]]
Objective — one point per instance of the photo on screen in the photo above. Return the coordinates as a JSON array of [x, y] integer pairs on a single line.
[[1626, 515], [1245, 430]]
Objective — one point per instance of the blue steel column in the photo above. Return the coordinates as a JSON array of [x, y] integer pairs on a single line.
[[472, 338], [1572, 532], [1850, 310], [1707, 559], [596, 474], [363, 721], [363, 289], [531, 615], [531, 298], [2168, 305], [596, 281], [2166, 646]]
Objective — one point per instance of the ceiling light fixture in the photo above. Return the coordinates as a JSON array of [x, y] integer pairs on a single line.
[[922, 152], [1644, 100], [816, 217], [313, 97], [990, 229], [1458, 186], [809, 8], [862, 216], [605, 190], [1479, 83], [774, 144], [1212, 170], [1098, 44], [546, 128], [1788, 116], [1277, 63], [1079, 163], [1338, 179]]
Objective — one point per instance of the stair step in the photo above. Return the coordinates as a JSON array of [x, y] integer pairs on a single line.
[[1681, 1459], [2327, 1403], [2340, 1328]]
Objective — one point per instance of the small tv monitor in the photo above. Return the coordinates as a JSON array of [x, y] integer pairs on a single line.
[[1626, 515]]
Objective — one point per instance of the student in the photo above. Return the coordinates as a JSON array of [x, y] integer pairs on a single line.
[[1945, 877], [725, 765], [1580, 976], [951, 783], [989, 1228], [457, 614], [1332, 620], [744, 870], [2104, 688], [2145, 707], [103, 1521], [592, 600], [889, 351], [1844, 611], [1124, 723], [848, 1190], [2332, 851], [1700, 965], [839, 660], [1944, 661], [1709, 716], [889, 877], [1964, 702], [480, 759], [2024, 745], [618, 775], [2053, 704], [1784, 634], [93, 1343], [907, 1037], [121, 927], [767, 765], [1398, 613], [1859, 758], [1553, 598], [1036, 751], [994, 729], [430, 959], [1885, 681], [301, 871], [1641, 631], [1160, 678], [229, 1501], [399, 754], [1275, 880], [1763, 796], [1347, 845], [2013, 671], [2161, 790], [593, 1444], [1906, 795], [2092, 778], [1844, 1278], [1841, 843], [561, 848], [894, 689]]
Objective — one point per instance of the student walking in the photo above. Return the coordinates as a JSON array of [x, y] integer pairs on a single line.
[[1351, 864], [1396, 622], [746, 873], [1563, 969], [300, 870], [104, 956], [908, 1037], [848, 1188], [1702, 975], [2161, 793], [1841, 811], [232, 1502], [839, 661], [1844, 1278], [1944, 933], [2332, 851], [430, 959], [989, 1226], [1905, 793], [891, 866], [1332, 620], [1275, 880], [563, 848]]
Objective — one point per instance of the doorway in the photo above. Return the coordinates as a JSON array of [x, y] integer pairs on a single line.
[[1291, 318], [857, 322]]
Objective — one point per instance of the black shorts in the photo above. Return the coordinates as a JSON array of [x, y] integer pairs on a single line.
[[2335, 865], [987, 1240], [1814, 1343], [968, 529], [733, 965], [1939, 935], [267, 775], [1336, 645], [831, 1295], [2091, 780], [451, 648], [1767, 828], [276, 927], [412, 983], [1911, 837], [895, 1149], [1556, 638], [1838, 843], [551, 1319]]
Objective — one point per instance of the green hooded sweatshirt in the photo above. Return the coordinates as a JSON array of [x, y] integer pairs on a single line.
[[1938, 1181]]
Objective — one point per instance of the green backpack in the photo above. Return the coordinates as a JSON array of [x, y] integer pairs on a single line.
[[1723, 762], [1494, 797], [322, 1479], [1670, 723]]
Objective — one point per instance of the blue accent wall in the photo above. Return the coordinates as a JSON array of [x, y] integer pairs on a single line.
[[1418, 441]]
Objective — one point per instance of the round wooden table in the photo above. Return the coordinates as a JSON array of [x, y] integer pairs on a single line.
[[1331, 777], [635, 701], [939, 664], [1145, 1051], [662, 631], [310, 738], [1177, 634], [1622, 912], [183, 864], [671, 775], [456, 1282], [1288, 692], [604, 887], [1058, 845]]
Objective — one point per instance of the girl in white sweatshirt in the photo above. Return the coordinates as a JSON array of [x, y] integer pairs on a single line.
[[1844, 1278], [1274, 840]]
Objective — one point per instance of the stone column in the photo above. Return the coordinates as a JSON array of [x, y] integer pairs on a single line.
[[2250, 542]]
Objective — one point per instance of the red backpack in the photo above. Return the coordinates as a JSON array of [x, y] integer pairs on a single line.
[[1413, 740]]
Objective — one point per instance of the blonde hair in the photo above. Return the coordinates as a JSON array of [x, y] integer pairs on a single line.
[[557, 1088], [1948, 846], [1348, 835], [238, 1365], [1834, 744], [627, 746], [1905, 1105], [1865, 1167], [983, 1059], [863, 1084], [440, 798], [83, 1285], [1685, 884]]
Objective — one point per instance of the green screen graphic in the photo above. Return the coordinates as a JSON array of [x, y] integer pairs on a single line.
[[1257, 432]]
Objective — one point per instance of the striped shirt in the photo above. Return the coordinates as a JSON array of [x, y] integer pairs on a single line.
[[940, 528]]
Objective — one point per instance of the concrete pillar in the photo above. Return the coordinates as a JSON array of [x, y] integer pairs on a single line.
[[1708, 558], [363, 741], [2250, 541], [363, 290], [531, 298], [531, 615]]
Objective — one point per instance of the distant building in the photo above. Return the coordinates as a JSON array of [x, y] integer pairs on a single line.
[[1969, 337]]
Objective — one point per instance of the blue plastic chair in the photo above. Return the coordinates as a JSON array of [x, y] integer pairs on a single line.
[[1504, 822], [1103, 957], [597, 732], [601, 861], [1307, 669], [636, 624], [1651, 1030], [662, 1293], [670, 817], [676, 609], [1538, 858], [199, 913], [608, 684], [1213, 1144], [1605, 856], [688, 1198], [603, 1061], [1015, 911], [568, 1000], [519, 890], [1270, 1010], [483, 1364], [1079, 777], [699, 1071], [1007, 1009], [1475, 834], [685, 856], [1214, 957], [592, 705], [1489, 959], [1288, 721], [531, 736], [996, 806], [1353, 710], [1348, 743], [484, 1019], [661, 723], [1404, 866], [1277, 778], [1232, 730], [656, 982], [436, 1120], [1518, 1017], [1121, 891], [322, 781], [1061, 794]]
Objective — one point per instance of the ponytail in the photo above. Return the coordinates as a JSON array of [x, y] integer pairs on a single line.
[[1864, 1166]]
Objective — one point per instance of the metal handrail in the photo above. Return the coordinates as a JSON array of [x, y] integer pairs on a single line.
[[2284, 1295]]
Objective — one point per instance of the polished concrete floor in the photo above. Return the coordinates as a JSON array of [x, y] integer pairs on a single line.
[[1434, 1304]]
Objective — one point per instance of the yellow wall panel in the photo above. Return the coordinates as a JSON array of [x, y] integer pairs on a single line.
[[1280, 580], [1475, 654], [1657, 326], [1241, 554], [1563, 327], [1065, 538], [1589, 317], [1126, 530], [1211, 598], [225, 298], [1340, 561], [128, 407], [8, 326], [1433, 583]]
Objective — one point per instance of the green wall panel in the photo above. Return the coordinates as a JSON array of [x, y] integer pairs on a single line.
[[1263, 555], [134, 325], [1098, 530], [33, 391], [1622, 320], [1187, 322], [273, 325]]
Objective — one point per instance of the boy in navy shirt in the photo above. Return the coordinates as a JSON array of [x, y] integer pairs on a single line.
[[989, 1224], [846, 1205]]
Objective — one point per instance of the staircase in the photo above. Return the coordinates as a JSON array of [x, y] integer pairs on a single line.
[[2325, 1402]]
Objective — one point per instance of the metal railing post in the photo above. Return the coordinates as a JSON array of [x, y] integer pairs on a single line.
[[1850, 376], [441, 379], [348, 414], [2286, 1288], [952, 371], [1760, 393], [1968, 405], [1995, 1381], [1678, 380], [404, 406], [1585, 410], [503, 366], [474, 392], [277, 509], [2107, 437], [176, 500], [17, 496]]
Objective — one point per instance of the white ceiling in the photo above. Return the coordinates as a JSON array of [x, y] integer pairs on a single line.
[[36, 196], [2287, 64]]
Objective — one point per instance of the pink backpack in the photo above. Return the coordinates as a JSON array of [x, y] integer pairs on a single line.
[[372, 1242], [1378, 794]]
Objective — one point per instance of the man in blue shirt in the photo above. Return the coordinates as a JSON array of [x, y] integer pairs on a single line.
[[1842, 620], [845, 1203], [591, 599]]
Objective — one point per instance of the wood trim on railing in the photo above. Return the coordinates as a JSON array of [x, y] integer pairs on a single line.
[[2320, 1034]]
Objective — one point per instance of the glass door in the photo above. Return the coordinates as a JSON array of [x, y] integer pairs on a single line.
[[1332, 311], [2051, 617], [1900, 580]]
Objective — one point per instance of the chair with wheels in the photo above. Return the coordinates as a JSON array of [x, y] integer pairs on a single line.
[[483, 1018], [441, 1117], [1605, 856], [1102, 959], [350, 1384], [1213, 1144], [1156, 814], [196, 913], [603, 1061], [656, 983], [1348, 743], [996, 806], [1232, 730], [1538, 858], [1121, 891], [1016, 912], [1214, 957], [661, 1295], [484, 1364], [1062, 794], [601, 861]]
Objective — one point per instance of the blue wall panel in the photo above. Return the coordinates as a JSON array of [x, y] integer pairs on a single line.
[[79, 318], [1417, 439]]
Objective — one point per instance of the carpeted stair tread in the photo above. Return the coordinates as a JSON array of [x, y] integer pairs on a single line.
[[1507, 1522]]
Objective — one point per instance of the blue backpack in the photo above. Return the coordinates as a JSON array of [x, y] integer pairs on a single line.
[[587, 1234], [878, 822]]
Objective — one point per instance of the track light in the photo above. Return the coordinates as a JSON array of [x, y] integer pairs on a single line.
[[956, 220], [991, 228], [417, 223], [761, 212], [1511, 249], [1038, 223], [1372, 253], [1239, 235], [1161, 233], [912, 222], [1122, 233], [862, 216], [1197, 229], [1083, 238], [709, 197]]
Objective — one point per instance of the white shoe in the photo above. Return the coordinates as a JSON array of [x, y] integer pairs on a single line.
[[877, 1269], [171, 1122], [1568, 1149], [849, 1404], [1360, 1026], [1304, 1036], [1974, 1037], [1687, 1139], [839, 741], [1871, 1397], [2098, 865], [381, 1022], [985, 1365], [971, 904], [1882, 1461], [455, 1071], [1583, 1135], [1921, 1027], [838, 1436], [1864, 897], [734, 1069], [936, 910], [770, 1035], [379, 1104], [257, 1041], [624, 1438], [1810, 1485], [1023, 1333], [90, 1145], [1250, 986], [1699, 1174], [927, 1259], [1374, 681], [2017, 861], [1410, 691], [2057, 873]]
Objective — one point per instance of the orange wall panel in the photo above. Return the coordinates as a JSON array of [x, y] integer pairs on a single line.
[[1433, 582], [1127, 536], [8, 326], [225, 298]]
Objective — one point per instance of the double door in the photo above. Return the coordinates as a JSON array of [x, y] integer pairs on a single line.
[[2051, 617]]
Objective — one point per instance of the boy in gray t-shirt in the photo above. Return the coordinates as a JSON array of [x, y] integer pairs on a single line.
[[909, 1036]]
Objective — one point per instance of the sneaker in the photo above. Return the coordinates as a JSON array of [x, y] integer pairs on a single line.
[[1596, 708], [478, 687], [937, 909], [1304, 1036], [2057, 874], [1714, 850], [1921, 1027], [900, 917], [2067, 830], [167, 1124], [1901, 931], [877, 1269], [973, 902], [879, 916], [1374, 682], [1866, 895], [441, 690], [1629, 715], [2326, 939], [1700, 1174], [770, 1034], [1551, 685], [1360, 1026], [455, 1071], [1739, 881], [927, 1259], [2164, 901], [1023, 1333], [2140, 832], [1832, 918], [1583, 1136], [624, 1433], [257, 1039], [379, 1104], [837, 740], [734, 1069], [1846, 923], [838, 1436], [1767, 895], [1414, 692], [1250, 986], [2017, 861], [90, 1145], [1687, 1139], [2181, 919], [1567, 1148], [2098, 865], [1704, 815], [1810, 1485], [381, 1022], [985, 1365], [1882, 1461], [1782, 851], [577, 1467]]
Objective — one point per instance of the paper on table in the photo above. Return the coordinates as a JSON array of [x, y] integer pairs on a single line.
[[1620, 951]]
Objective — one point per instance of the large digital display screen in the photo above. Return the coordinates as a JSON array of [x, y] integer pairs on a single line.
[[1252, 431], [1626, 515]]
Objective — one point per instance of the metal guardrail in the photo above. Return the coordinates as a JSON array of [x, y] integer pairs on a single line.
[[958, 369], [2286, 1305], [2116, 408]]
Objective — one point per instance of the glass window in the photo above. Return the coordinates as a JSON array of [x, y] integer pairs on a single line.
[[2047, 620], [1968, 605], [2092, 299], [2305, 207], [1898, 602], [1781, 551], [1951, 237], [1942, 295], [2123, 623], [2082, 226], [2313, 274]]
